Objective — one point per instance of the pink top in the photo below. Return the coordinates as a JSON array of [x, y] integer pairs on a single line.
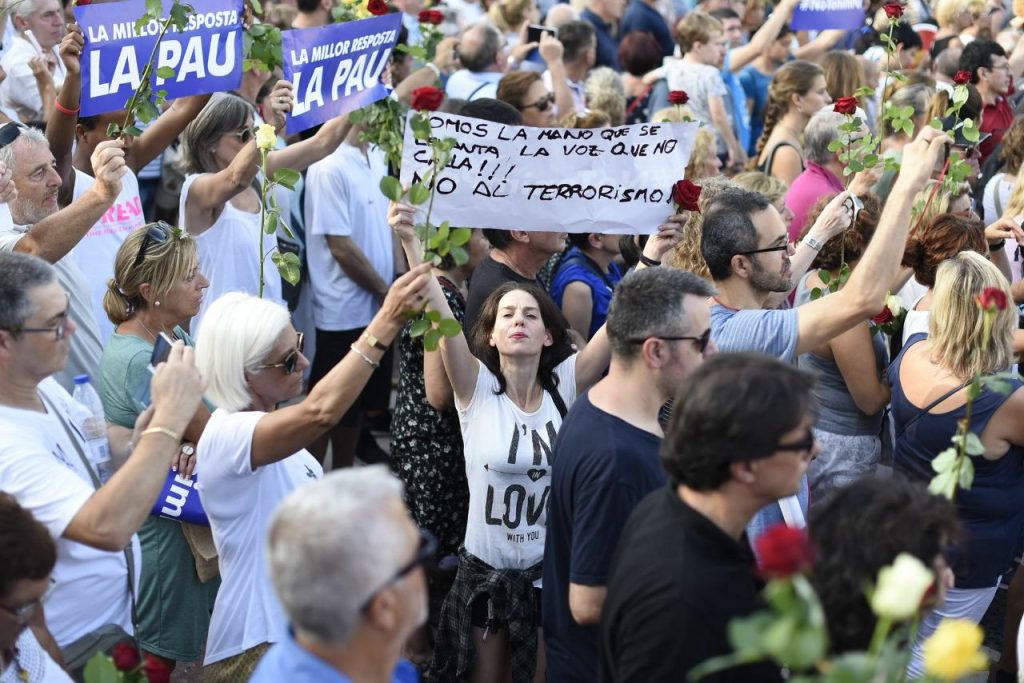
[[808, 187]]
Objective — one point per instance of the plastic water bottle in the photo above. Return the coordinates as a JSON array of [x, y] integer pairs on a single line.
[[94, 427]]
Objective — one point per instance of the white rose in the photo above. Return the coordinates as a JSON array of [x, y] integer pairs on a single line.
[[266, 137], [901, 587], [895, 304]]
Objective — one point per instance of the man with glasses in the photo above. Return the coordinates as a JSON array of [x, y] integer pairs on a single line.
[[740, 438], [747, 250], [42, 229], [606, 454], [346, 561], [44, 460], [991, 73]]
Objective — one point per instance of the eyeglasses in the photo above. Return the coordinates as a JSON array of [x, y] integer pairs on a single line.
[[1004, 67], [24, 613], [158, 233], [60, 330], [243, 135], [9, 132], [292, 359], [424, 552], [542, 104], [780, 247], [806, 445], [702, 341]]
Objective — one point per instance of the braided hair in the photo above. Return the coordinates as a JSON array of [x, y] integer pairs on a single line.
[[793, 78]]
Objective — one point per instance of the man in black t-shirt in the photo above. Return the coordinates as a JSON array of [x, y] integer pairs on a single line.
[[606, 454], [740, 437]]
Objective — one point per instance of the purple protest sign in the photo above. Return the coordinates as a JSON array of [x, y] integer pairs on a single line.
[[811, 15], [206, 56], [337, 68]]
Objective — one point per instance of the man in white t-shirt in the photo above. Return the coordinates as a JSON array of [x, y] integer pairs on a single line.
[[95, 252], [40, 25], [351, 265], [41, 230], [44, 461], [484, 58]]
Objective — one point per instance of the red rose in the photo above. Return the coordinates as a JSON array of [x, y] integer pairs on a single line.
[[125, 656], [893, 10], [427, 98], [962, 77], [685, 195], [845, 105], [377, 7], [992, 299], [678, 97], [431, 16], [883, 317], [784, 551], [82, 3], [156, 671]]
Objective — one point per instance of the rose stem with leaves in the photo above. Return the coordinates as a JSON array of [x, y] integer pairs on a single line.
[[146, 75]]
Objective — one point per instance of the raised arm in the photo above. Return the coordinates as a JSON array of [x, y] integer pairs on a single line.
[[60, 127], [744, 54], [283, 432], [826, 318], [822, 43], [53, 237], [551, 51], [168, 126], [110, 516], [855, 358]]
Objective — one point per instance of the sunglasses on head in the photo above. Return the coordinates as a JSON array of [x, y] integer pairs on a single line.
[[290, 361], [9, 132], [156, 233]]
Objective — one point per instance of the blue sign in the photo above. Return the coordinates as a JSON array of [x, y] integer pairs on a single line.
[[206, 56], [817, 15], [337, 68]]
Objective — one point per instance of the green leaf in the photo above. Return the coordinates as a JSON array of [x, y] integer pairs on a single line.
[[936, 124], [257, 6], [419, 327], [391, 188], [835, 145], [133, 131], [165, 72], [288, 266], [974, 445], [966, 474], [460, 236], [113, 130], [432, 339], [287, 177], [459, 255], [943, 484], [824, 276], [270, 226], [420, 127], [945, 460], [101, 669], [418, 194], [449, 327], [433, 316], [816, 293]]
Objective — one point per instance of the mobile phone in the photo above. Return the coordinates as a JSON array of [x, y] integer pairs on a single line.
[[161, 349], [534, 31]]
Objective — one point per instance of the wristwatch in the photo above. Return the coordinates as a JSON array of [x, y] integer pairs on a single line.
[[187, 450], [813, 243], [373, 342]]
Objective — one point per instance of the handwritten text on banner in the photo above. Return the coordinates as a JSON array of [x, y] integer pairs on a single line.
[[337, 68], [812, 15], [206, 57], [616, 180]]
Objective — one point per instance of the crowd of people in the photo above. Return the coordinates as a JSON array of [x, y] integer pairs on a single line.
[[571, 487]]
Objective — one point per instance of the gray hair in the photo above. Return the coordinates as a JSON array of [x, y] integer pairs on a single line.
[[224, 113], [237, 334], [330, 547], [648, 303], [23, 8], [29, 136], [821, 130], [605, 92], [479, 55], [19, 275]]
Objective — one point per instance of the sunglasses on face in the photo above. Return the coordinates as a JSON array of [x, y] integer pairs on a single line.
[[425, 551], [542, 104], [806, 444], [292, 359], [243, 135], [702, 341], [157, 233]]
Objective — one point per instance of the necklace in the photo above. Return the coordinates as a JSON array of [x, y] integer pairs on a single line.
[[147, 329], [795, 133]]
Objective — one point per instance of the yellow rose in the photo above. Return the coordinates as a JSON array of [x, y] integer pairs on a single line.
[[954, 650], [266, 137], [901, 586]]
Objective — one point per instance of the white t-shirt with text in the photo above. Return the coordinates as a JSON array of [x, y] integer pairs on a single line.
[[508, 466]]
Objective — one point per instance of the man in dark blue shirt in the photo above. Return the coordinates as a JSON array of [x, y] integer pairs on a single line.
[[606, 454], [642, 16], [605, 15]]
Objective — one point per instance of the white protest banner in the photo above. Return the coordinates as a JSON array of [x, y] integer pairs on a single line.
[[612, 180]]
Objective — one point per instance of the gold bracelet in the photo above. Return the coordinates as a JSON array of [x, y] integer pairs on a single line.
[[161, 430]]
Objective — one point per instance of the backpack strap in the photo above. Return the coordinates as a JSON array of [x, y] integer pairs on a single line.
[[556, 396]]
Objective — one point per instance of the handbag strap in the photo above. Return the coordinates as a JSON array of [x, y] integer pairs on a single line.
[[931, 405], [129, 556]]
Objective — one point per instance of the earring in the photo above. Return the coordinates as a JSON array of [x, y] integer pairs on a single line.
[[156, 303]]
